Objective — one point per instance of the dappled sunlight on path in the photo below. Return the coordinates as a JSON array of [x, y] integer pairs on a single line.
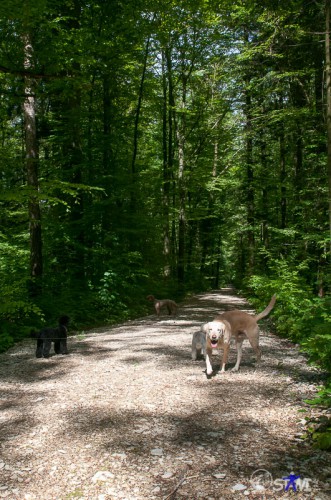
[[128, 413]]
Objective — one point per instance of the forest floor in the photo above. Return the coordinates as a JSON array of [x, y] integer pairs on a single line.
[[128, 415]]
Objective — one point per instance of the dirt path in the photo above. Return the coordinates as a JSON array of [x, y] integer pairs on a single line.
[[128, 415]]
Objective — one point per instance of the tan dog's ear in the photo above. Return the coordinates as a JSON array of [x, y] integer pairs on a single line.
[[227, 332]]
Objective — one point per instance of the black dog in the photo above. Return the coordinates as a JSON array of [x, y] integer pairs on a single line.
[[57, 335]]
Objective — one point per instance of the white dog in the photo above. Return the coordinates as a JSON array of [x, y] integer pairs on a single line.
[[218, 336]]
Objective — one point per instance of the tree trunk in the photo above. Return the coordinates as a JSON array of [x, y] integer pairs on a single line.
[[168, 176], [171, 154], [76, 262], [283, 202], [167, 84], [265, 199], [133, 201], [107, 143], [249, 180], [328, 102], [180, 135], [218, 261], [31, 154]]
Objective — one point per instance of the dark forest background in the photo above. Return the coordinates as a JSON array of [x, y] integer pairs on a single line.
[[164, 148]]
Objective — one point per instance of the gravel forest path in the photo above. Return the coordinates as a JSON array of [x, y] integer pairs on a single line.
[[128, 415]]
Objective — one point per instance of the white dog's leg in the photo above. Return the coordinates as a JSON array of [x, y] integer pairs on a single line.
[[225, 355], [208, 365], [239, 354]]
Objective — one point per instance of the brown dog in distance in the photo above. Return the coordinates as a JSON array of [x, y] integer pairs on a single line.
[[170, 305]]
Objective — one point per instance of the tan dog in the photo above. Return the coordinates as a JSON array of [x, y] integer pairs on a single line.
[[159, 304], [244, 325], [218, 336]]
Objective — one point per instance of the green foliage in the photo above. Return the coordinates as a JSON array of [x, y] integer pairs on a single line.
[[323, 439], [110, 295], [18, 313], [323, 396], [318, 344], [6, 340], [121, 293], [321, 434], [17, 318], [299, 315], [305, 319]]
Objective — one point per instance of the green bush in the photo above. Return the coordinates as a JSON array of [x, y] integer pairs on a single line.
[[321, 434], [17, 318], [305, 319]]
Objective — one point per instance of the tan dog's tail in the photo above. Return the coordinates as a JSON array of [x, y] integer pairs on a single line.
[[267, 310]]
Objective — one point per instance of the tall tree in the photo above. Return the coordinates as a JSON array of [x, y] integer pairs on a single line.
[[32, 156], [328, 101]]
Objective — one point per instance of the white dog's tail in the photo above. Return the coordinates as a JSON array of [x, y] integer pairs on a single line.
[[267, 310]]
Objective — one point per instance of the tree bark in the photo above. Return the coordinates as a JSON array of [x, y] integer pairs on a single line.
[[282, 155], [171, 155], [167, 159], [180, 135], [31, 155], [133, 200], [249, 180], [328, 102]]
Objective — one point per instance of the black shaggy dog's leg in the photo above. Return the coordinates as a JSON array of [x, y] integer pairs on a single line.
[[39, 350], [47, 347], [57, 349], [57, 346], [60, 345], [63, 346]]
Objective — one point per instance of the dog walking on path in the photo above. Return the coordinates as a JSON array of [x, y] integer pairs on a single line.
[[170, 305], [58, 335], [242, 325]]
